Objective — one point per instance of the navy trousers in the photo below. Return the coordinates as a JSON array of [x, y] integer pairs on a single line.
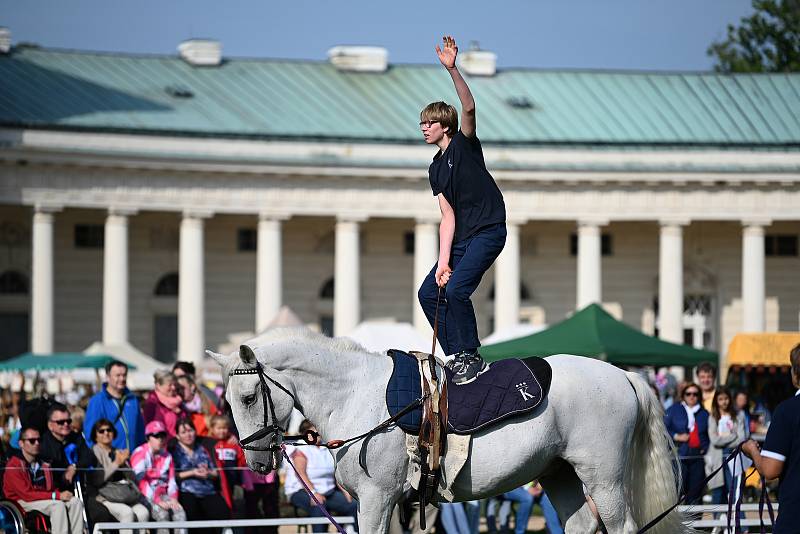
[[469, 259]]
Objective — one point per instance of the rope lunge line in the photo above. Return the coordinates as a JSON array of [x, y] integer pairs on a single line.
[[764, 497], [325, 512]]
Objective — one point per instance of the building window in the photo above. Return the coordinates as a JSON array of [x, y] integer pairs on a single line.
[[13, 283], [408, 243], [780, 245], [524, 293], [326, 292], [606, 245], [247, 240], [326, 325], [89, 236], [167, 286]]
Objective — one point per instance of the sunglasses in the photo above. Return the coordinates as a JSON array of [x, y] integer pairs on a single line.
[[691, 394], [159, 435], [32, 441], [427, 124], [61, 422], [105, 430]]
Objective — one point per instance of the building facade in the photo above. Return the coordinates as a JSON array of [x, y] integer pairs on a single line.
[[156, 202]]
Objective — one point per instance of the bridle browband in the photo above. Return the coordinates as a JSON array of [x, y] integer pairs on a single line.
[[266, 396]]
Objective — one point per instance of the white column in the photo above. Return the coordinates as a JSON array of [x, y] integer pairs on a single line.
[[42, 282], [753, 291], [346, 294], [507, 281], [191, 289], [670, 282], [426, 254], [589, 284], [115, 277], [269, 269]]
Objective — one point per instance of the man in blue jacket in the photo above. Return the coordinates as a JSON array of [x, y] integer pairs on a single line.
[[116, 403]]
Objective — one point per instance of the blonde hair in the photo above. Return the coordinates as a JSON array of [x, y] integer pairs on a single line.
[[219, 420], [444, 114], [162, 376]]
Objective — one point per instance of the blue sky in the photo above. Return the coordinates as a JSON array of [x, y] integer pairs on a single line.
[[575, 34]]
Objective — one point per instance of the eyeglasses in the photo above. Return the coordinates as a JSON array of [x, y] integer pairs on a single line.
[[105, 430], [32, 440], [159, 435], [427, 124], [61, 422], [691, 394]]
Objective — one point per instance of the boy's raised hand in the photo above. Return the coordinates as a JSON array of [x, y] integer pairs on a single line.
[[448, 52]]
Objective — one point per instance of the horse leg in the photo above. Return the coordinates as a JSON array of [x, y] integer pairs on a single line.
[[612, 506], [375, 509], [565, 491]]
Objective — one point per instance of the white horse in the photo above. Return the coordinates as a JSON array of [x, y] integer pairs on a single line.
[[598, 426]]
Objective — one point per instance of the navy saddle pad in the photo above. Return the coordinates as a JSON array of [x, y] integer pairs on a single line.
[[510, 387]]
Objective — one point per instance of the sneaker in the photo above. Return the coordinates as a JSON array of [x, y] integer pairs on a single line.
[[472, 367], [456, 363]]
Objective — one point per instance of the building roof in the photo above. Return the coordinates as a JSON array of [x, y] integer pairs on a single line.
[[289, 99]]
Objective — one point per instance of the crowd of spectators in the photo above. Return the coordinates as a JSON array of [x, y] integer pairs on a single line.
[[115, 456]]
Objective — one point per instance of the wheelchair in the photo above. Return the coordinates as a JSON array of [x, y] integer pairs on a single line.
[[15, 520]]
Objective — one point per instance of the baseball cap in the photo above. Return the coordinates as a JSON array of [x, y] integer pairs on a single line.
[[154, 427]]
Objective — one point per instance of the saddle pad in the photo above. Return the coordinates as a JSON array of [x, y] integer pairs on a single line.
[[510, 387], [404, 387]]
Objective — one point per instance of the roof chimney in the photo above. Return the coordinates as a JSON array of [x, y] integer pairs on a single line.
[[359, 58], [201, 52], [477, 62], [5, 40]]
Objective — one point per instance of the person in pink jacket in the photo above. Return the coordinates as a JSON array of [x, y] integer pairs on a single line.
[[155, 475], [164, 404]]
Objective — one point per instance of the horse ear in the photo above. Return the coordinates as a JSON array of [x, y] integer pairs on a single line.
[[246, 354], [219, 358]]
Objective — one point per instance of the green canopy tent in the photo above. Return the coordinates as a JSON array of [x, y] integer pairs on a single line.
[[59, 360], [593, 332]]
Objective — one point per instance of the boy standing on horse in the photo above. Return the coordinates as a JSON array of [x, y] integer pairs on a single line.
[[472, 231]]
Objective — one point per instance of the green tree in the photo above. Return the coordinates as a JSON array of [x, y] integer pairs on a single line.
[[767, 41]]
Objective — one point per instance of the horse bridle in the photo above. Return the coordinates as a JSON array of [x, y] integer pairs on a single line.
[[266, 396]]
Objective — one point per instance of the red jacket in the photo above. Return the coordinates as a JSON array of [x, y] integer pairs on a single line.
[[17, 484]]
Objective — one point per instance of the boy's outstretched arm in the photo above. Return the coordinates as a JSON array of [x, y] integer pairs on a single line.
[[447, 56]]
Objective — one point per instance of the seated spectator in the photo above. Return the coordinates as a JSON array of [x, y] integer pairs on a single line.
[[164, 404], [66, 452], [196, 404], [316, 468], [454, 518], [200, 481], [115, 483], [257, 488], [28, 481], [155, 474]]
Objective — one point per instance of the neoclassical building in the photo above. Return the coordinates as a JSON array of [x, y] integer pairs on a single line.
[[170, 201]]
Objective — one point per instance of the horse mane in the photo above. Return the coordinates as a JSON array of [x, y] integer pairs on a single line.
[[300, 334]]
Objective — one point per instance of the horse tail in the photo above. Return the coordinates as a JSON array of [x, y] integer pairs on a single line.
[[652, 476]]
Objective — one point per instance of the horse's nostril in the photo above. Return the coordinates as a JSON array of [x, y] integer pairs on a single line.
[[261, 468]]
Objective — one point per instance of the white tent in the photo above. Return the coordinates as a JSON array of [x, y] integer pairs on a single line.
[[512, 332], [380, 335], [142, 377]]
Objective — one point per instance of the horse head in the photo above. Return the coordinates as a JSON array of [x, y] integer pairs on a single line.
[[261, 406]]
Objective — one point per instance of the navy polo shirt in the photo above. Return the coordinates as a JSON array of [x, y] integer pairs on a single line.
[[783, 443], [460, 174]]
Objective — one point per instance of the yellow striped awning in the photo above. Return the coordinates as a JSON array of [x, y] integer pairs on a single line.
[[762, 349]]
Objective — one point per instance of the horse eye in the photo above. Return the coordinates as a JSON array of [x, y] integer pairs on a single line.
[[248, 400]]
